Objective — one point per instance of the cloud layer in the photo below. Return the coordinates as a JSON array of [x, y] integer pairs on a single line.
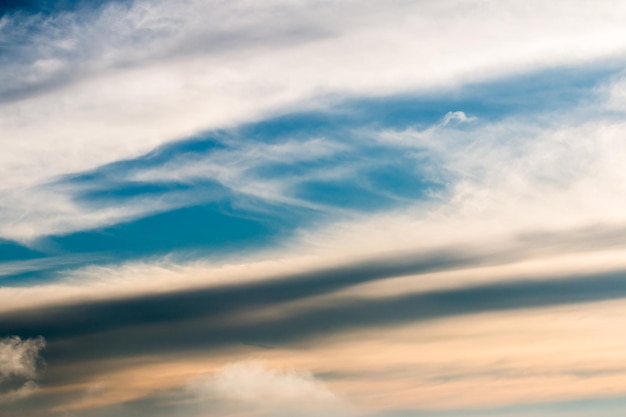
[[418, 203], [114, 82]]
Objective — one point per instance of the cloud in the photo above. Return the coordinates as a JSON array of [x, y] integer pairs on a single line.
[[86, 88], [456, 117], [20, 361], [258, 390]]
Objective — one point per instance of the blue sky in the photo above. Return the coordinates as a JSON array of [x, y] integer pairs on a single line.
[[312, 208]]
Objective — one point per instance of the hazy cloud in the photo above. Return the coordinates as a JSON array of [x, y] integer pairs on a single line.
[[20, 361], [253, 387]]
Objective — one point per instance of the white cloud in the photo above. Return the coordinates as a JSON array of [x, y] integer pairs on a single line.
[[505, 178], [456, 117], [253, 387], [19, 366], [112, 84]]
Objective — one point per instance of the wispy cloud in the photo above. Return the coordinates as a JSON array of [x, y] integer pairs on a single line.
[[116, 81], [253, 388]]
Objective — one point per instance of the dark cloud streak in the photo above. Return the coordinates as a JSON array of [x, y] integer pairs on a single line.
[[351, 314], [200, 319], [85, 318]]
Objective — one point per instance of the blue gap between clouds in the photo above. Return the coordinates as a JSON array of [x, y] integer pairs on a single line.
[[11, 251], [49, 7]]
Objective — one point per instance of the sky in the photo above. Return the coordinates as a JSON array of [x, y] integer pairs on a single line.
[[312, 208]]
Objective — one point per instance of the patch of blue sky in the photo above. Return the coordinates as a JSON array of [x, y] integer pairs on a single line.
[[29, 270], [205, 230], [26, 278], [277, 170], [344, 194], [389, 173], [12, 251], [119, 192], [112, 173], [202, 230], [47, 7], [396, 181], [215, 225], [307, 124], [379, 179]]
